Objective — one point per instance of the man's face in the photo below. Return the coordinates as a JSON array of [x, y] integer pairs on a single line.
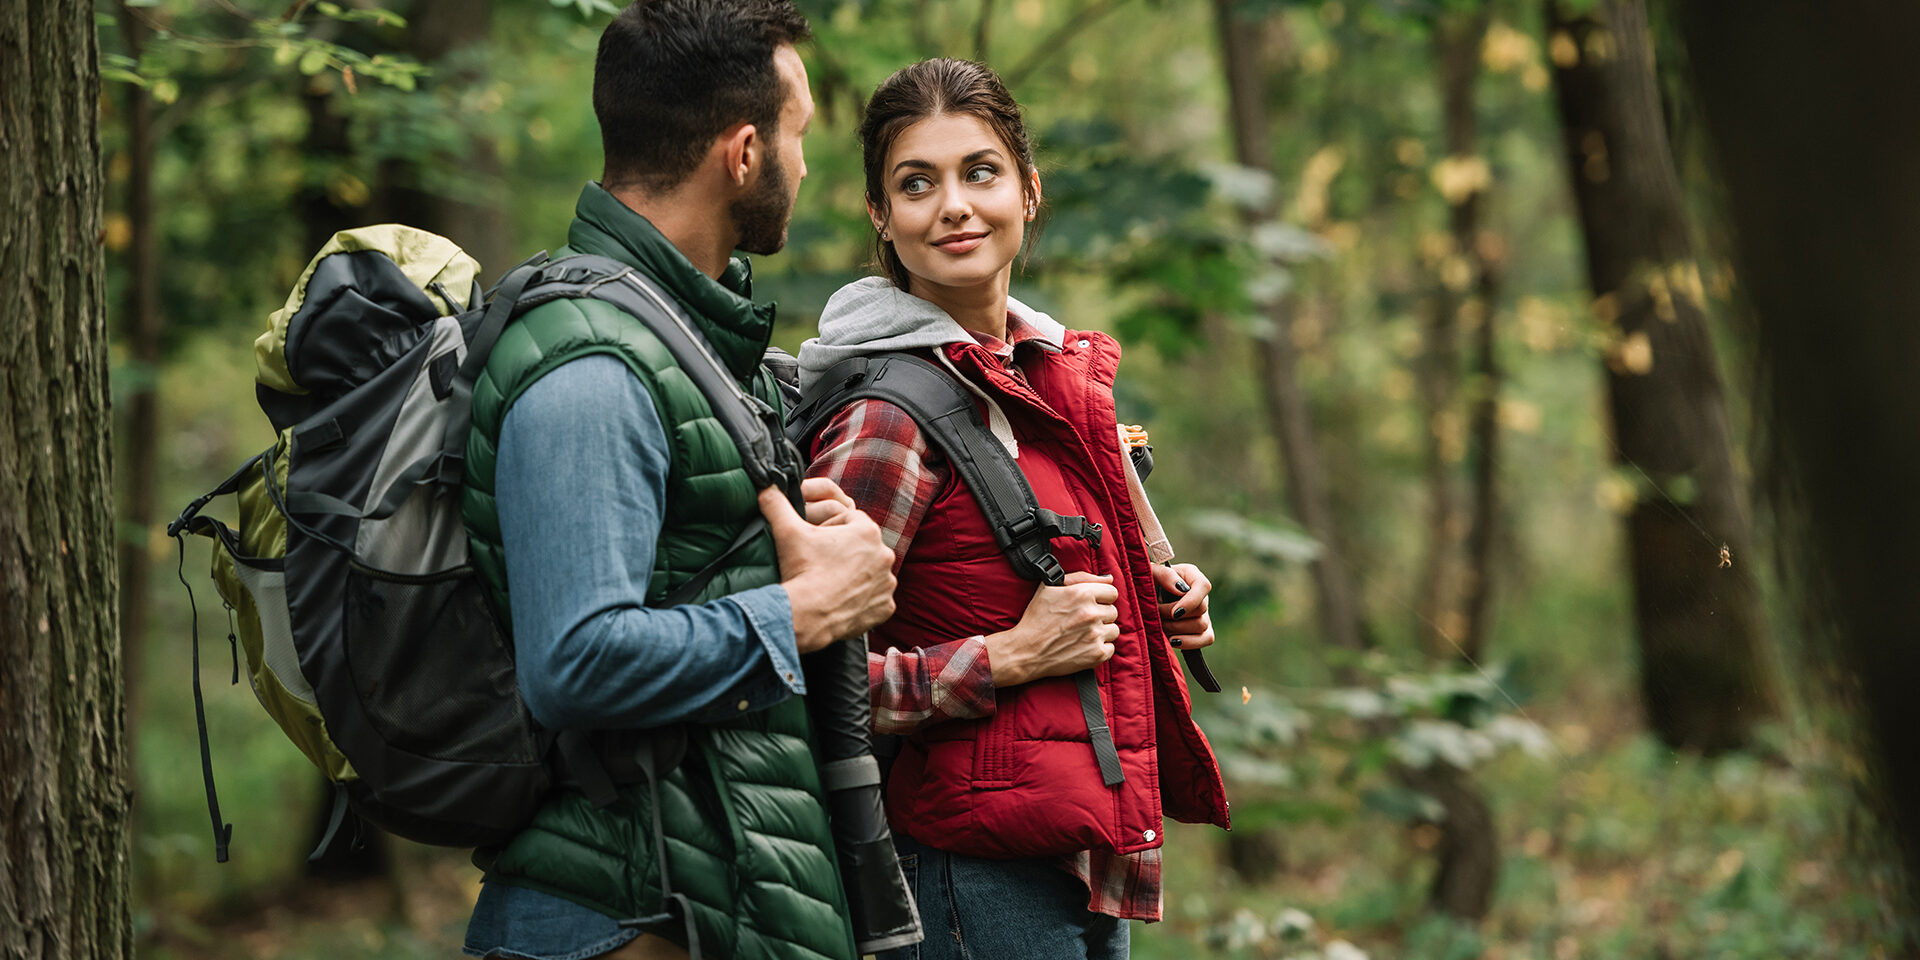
[[760, 217]]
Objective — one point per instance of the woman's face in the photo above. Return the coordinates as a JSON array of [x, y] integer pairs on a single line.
[[957, 204]]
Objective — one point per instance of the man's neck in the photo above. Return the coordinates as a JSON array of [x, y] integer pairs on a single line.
[[979, 308], [693, 224]]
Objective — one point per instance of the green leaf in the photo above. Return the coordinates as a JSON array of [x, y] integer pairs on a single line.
[[313, 61], [166, 90], [285, 54]]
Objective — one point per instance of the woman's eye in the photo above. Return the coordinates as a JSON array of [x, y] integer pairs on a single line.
[[980, 174], [913, 185]]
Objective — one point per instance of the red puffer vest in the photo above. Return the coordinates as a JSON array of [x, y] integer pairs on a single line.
[[1024, 782]]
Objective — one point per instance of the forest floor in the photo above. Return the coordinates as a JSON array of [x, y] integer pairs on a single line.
[[1614, 848]]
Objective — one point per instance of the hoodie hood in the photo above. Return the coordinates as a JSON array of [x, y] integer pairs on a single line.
[[874, 316]]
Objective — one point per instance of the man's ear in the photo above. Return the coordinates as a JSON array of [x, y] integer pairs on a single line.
[[741, 153], [1033, 194]]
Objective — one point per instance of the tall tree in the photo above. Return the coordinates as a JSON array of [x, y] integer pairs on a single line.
[[1816, 151], [63, 801], [1705, 677], [1277, 358], [1453, 587]]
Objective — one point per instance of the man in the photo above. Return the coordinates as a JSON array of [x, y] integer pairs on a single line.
[[611, 485]]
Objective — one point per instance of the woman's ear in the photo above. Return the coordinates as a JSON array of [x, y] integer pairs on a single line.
[[879, 219]]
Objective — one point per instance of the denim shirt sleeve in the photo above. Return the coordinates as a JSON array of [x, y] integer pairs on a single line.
[[580, 481]]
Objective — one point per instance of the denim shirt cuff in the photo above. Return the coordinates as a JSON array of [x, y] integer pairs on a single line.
[[770, 614]]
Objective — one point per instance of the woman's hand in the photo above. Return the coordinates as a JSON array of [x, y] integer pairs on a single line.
[[1184, 613], [1065, 630]]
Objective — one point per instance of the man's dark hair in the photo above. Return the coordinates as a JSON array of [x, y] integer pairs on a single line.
[[673, 74]]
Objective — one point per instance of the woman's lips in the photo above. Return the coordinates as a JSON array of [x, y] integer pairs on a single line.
[[963, 243]]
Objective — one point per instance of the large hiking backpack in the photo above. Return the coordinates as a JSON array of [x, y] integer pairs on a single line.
[[952, 424], [368, 636]]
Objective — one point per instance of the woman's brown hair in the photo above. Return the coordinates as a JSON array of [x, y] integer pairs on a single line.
[[930, 88]]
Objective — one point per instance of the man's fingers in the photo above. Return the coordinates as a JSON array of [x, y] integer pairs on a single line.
[[822, 489], [821, 511]]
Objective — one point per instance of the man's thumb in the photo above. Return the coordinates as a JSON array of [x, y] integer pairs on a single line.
[[778, 510]]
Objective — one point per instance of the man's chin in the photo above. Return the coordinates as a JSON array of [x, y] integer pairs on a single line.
[[764, 248]]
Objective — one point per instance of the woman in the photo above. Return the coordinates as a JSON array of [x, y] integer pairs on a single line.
[[1015, 845]]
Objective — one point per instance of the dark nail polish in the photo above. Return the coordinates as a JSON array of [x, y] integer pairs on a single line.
[[1179, 612], [1180, 585], [1176, 642]]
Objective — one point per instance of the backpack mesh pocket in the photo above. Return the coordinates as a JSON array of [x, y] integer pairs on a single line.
[[433, 670]]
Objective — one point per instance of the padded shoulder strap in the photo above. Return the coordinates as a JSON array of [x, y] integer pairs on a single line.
[[755, 427], [947, 416]]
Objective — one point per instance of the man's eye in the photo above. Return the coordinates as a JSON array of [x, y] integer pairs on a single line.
[[980, 174], [914, 185]]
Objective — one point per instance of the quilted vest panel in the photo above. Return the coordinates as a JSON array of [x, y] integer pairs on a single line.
[[747, 834], [1024, 782]]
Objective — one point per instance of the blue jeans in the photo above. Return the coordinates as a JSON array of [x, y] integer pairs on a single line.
[[976, 909]]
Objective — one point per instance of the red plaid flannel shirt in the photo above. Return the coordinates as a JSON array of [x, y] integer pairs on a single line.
[[875, 452]]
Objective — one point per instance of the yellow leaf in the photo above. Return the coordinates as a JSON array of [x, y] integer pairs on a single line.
[[1565, 53], [1506, 49], [1410, 151], [1460, 177], [1520, 416], [118, 232], [1632, 354]]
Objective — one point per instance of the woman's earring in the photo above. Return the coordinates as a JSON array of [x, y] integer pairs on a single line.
[[884, 238]]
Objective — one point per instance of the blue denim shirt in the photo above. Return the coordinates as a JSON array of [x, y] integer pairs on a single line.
[[580, 482]]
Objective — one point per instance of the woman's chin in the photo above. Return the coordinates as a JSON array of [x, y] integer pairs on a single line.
[[959, 276]]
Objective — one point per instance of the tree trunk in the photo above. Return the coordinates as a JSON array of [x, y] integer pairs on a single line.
[[1469, 851], [63, 800], [1705, 677], [1816, 155], [141, 328], [439, 31], [1461, 302], [1277, 358]]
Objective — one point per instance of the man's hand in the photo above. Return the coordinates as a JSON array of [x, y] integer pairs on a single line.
[[1184, 613], [1065, 630], [838, 574]]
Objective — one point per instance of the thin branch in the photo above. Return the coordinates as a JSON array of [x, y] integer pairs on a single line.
[[1082, 18]]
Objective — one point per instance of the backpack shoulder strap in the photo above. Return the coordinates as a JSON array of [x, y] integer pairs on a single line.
[[951, 423], [754, 426]]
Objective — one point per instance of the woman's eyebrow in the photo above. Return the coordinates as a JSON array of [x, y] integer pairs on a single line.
[[969, 158]]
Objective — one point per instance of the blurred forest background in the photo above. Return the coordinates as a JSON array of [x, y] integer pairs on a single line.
[[1429, 308]]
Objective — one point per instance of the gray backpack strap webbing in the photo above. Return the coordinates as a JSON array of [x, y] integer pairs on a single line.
[[1023, 529]]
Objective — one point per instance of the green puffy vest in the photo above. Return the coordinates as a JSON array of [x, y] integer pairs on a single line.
[[747, 835]]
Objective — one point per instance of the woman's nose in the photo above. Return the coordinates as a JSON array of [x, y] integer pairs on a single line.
[[954, 207]]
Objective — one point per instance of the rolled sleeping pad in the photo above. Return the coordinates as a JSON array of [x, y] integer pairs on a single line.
[[884, 914]]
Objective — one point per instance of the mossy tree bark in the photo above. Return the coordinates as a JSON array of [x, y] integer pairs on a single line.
[[1809, 110], [63, 799], [1706, 678]]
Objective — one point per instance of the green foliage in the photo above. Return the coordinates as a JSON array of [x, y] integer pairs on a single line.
[[1611, 847]]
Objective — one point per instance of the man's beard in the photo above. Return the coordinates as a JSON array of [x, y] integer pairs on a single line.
[[761, 216]]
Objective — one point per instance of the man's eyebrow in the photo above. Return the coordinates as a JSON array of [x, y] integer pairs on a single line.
[[969, 158]]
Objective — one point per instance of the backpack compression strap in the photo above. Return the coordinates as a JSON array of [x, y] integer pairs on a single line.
[[1023, 529]]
